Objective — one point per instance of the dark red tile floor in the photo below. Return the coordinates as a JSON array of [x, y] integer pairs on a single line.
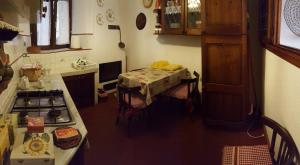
[[172, 139]]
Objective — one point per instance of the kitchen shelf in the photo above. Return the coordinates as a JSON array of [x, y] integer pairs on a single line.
[[7, 31]]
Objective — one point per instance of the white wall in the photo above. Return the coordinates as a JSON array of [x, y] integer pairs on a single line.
[[104, 44], [14, 48], [282, 94], [143, 47]]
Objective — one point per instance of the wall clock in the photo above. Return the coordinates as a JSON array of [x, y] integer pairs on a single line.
[[147, 3]]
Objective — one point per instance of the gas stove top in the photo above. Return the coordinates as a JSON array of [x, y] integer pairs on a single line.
[[48, 104]]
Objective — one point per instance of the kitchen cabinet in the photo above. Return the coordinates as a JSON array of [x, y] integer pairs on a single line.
[[225, 63], [81, 89], [225, 17], [181, 17]]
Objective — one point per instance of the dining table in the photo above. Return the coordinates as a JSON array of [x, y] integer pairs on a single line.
[[153, 81]]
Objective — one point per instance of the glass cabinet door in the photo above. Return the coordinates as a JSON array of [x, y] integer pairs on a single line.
[[172, 16], [193, 17]]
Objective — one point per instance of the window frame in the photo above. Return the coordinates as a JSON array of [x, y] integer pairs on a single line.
[[270, 27], [53, 45]]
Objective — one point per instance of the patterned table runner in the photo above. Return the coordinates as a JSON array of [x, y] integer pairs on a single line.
[[153, 81]]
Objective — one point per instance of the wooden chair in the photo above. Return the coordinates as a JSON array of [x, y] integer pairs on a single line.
[[282, 149], [287, 153], [131, 103], [187, 89]]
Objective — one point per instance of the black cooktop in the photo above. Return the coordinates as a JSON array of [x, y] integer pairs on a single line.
[[48, 104]]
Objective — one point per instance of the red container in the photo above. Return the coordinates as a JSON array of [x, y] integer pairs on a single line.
[[35, 124]]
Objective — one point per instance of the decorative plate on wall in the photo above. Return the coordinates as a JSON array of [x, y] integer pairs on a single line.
[[99, 19], [141, 21], [292, 15], [100, 3], [110, 15], [147, 3]]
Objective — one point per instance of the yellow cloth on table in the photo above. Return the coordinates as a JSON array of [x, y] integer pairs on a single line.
[[172, 67], [159, 64]]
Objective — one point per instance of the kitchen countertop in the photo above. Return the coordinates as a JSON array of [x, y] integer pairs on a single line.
[[70, 71], [55, 81]]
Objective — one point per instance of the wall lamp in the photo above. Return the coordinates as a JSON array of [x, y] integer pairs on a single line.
[[117, 27]]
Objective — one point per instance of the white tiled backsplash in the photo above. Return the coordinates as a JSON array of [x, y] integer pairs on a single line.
[[54, 61], [14, 48]]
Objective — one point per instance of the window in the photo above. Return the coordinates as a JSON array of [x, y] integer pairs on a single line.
[[53, 26], [280, 28]]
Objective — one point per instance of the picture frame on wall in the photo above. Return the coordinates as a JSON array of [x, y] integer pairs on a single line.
[[147, 3], [289, 34]]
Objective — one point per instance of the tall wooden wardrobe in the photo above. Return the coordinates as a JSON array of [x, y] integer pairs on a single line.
[[225, 63]]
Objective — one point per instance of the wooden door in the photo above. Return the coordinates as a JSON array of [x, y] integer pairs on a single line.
[[225, 78], [172, 16], [225, 17]]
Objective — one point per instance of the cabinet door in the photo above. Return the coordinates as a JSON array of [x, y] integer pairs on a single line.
[[81, 89], [225, 78], [172, 16], [193, 13], [225, 17]]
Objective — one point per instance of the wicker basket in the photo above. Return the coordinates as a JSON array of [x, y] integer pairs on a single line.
[[33, 74]]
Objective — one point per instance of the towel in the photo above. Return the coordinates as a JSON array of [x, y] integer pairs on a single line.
[[159, 64], [172, 67]]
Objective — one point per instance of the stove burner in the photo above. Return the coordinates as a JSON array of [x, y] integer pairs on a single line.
[[52, 100], [27, 101], [54, 113], [60, 118], [48, 104]]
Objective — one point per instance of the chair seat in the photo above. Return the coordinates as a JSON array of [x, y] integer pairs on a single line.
[[246, 155], [179, 92], [137, 102]]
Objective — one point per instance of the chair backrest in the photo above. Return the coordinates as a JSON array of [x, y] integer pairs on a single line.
[[124, 92], [196, 79], [192, 83], [287, 152]]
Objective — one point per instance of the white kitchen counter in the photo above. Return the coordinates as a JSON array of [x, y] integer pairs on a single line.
[[69, 71], [63, 156]]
